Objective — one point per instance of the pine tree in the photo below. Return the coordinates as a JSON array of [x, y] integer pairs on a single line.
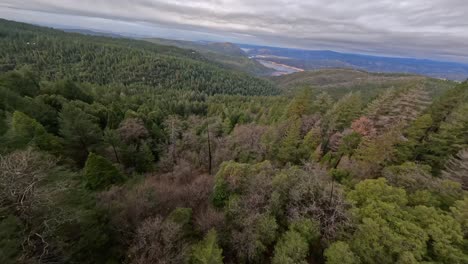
[[340, 253], [322, 103], [300, 105], [451, 137], [26, 131], [397, 107], [207, 251], [411, 146], [293, 246], [381, 105], [100, 173], [80, 131], [344, 112], [289, 147]]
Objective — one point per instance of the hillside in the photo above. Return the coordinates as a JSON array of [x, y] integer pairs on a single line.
[[58, 55], [318, 59], [338, 82], [226, 54], [123, 151]]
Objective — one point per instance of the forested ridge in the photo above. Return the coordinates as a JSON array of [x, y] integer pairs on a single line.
[[57, 55], [100, 168]]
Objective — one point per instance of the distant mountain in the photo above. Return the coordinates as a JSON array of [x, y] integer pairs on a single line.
[[227, 55], [93, 33], [319, 59]]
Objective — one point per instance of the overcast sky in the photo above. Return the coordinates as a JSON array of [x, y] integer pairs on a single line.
[[433, 29]]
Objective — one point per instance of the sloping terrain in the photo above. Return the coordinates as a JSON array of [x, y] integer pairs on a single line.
[[338, 82], [226, 54], [59, 55]]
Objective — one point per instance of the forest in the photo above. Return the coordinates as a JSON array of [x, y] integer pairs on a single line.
[[125, 151]]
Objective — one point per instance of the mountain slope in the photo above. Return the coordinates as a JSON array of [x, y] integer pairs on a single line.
[[338, 82], [226, 54], [58, 55]]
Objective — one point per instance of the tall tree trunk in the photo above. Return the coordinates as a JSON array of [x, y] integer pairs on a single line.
[[209, 149]]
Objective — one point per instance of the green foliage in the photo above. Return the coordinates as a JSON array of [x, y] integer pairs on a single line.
[[291, 248], [311, 141], [412, 147], [344, 112], [10, 240], [300, 105], [391, 231], [340, 253], [148, 108], [449, 139], [25, 131], [340, 175], [289, 149], [207, 251], [322, 103], [181, 216], [58, 55], [307, 228], [349, 144], [100, 173], [69, 90], [23, 82], [79, 130]]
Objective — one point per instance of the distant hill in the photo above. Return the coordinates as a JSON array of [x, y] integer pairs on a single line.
[[227, 55], [56, 55], [93, 33], [318, 59], [338, 82]]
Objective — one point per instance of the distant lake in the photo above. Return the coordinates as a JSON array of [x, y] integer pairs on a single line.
[[280, 69]]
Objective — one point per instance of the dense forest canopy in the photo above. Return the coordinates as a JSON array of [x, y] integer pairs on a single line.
[[57, 55], [121, 151]]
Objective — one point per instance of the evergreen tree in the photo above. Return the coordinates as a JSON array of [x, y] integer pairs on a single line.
[[289, 148], [26, 131], [300, 105], [293, 246], [451, 137], [207, 251], [100, 173], [340, 253], [322, 103], [80, 131], [344, 112]]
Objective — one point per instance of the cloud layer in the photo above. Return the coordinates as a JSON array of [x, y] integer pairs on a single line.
[[435, 29]]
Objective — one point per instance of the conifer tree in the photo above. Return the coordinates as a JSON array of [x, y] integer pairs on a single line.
[[100, 173], [289, 147], [451, 137], [26, 131], [80, 131], [344, 112], [207, 251]]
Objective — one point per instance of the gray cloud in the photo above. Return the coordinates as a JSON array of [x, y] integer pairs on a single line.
[[435, 29]]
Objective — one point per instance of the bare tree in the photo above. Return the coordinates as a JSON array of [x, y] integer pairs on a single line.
[[20, 174], [456, 169], [158, 242]]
